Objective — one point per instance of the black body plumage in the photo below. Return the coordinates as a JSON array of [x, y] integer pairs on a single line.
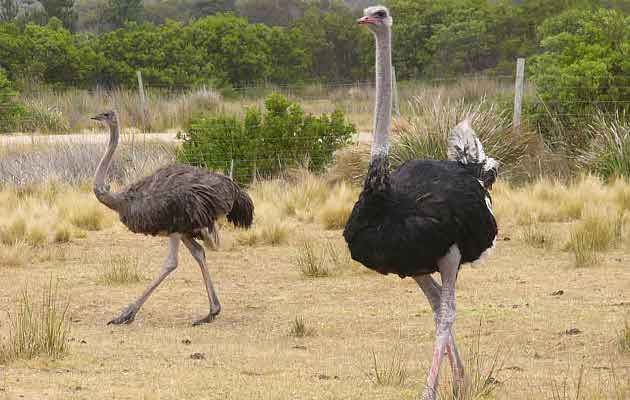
[[182, 199], [405, 222]]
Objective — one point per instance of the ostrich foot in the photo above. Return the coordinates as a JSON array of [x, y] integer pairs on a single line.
[[126, 317], [208, 319]]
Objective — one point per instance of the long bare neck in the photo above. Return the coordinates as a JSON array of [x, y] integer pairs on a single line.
[[101, 190], [383, 108]]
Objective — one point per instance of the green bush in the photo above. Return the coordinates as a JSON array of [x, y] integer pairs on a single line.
[[10, 110], [583, 69], [264, 143]]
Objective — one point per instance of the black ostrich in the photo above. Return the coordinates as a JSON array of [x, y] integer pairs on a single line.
[[427, 216], [178, 201]]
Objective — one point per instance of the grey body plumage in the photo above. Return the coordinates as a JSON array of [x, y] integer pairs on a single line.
[[179, 201]]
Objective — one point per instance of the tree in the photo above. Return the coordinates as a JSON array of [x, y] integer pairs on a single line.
[[9, 9], [120, 12], [63, 10]]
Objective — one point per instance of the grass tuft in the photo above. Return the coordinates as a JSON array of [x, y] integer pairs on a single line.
[[482, 371], [271, 234], [62, 234], [121, 270], [624, 338], [311, 261], [391, 372], [599, 229], [14, 255], [299, 328], [335, 211], [537, 236], [37, 329]]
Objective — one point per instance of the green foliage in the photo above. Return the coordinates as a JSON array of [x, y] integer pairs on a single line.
[[608, 152], [9, 10], [63, 10], [264, 143], [119, 12], [584, 67], [10, 110], [195, 42]]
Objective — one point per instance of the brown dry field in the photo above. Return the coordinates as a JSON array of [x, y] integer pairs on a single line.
[[249, 353]]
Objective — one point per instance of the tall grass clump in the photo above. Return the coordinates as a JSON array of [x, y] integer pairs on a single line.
[[311, 261], [14, 255], [389, 372], [538, 236], [424, 135], [299, 328], [37, 329], [599, 229], [482, 371], [608, 154], [121, 270], [335, 211], [624, 338]]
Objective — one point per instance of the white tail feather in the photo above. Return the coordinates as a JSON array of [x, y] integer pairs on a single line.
[[464, 145]]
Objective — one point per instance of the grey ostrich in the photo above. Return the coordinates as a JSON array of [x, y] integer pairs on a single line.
[[427, 216], [178, 201]]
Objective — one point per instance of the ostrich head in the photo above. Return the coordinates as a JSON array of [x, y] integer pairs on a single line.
[[108, 117], [376, 18]]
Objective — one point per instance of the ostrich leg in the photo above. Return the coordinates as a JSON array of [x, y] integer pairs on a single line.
[[170, 264], [199, 254], [448, 266], [432, 291]]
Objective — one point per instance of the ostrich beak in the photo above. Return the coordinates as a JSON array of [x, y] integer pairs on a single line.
[[97, 117], [367, 20]]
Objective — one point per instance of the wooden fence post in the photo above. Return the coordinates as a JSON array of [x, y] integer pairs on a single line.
[[142, 100], [396, 104], [518, 94]]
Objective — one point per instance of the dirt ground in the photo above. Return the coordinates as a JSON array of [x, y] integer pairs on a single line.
[[248, 352]]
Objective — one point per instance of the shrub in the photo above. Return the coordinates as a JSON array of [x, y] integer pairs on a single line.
[[582, 68], [425, 134], [10, 110], [608, 154], [264, 143]]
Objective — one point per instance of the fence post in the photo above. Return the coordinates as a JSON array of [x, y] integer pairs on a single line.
[[518, 94], [142, 99], [395, 105]]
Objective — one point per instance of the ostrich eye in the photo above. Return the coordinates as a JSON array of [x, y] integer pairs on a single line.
[[380, 14]]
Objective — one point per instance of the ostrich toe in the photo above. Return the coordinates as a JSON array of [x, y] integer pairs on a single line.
[[126, 317]]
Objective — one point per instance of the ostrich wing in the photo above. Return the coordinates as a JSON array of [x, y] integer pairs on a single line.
[[177, 198]]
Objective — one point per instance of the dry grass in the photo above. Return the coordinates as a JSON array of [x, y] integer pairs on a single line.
[[271, 234], [59, 112], [37, 329], [14, 254], [48, 164], [121, 270], [623, 339], [537, 236], [335, 211]]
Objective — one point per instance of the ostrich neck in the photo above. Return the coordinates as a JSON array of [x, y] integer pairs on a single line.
[[377, 177], [101, 190], [383, 107]]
